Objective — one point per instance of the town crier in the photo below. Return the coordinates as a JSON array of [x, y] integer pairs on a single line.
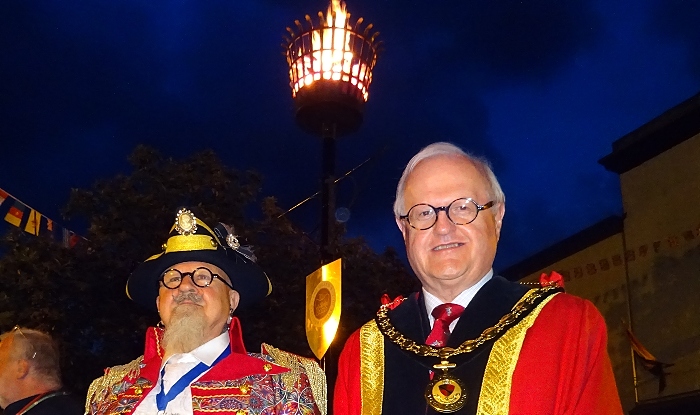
[[196, 362]]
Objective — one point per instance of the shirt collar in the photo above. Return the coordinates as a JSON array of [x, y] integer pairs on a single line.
[[209, 351], [463, 299], [206, 353]]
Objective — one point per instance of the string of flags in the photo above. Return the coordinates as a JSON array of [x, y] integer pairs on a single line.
[[631, 255], [25, 217]]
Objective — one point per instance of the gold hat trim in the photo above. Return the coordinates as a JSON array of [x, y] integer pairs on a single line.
[[180, 243], [184, 243]]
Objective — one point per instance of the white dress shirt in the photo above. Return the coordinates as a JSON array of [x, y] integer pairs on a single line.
[[463, 299], [175, 367]]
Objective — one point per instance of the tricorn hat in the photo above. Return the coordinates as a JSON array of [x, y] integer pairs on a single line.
[[190, 239]]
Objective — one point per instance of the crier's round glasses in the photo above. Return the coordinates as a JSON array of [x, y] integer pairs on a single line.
[[201, 277], [460, 212]]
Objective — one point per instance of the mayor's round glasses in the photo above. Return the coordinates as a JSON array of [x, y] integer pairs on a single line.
[[461, 212]]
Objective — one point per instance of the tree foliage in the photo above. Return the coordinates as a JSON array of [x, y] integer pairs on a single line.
[[78, 294]]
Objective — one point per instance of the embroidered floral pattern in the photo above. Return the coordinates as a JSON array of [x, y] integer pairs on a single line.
[[256, 395], [265, 395]]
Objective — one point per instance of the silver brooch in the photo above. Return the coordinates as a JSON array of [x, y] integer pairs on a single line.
[[232, 241], [185, 222]]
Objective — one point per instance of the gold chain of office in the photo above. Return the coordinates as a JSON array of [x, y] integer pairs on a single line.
[[524, 305]]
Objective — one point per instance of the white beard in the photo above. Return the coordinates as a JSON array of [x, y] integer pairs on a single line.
[[185, 331]]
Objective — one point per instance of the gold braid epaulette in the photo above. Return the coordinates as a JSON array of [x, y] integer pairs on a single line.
[[112, 376], [522, 307], [298, 365]]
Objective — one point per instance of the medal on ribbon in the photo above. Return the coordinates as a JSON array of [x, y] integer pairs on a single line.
[[445, 393]]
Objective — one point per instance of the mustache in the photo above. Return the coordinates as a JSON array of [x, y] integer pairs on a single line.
[[189, 296]]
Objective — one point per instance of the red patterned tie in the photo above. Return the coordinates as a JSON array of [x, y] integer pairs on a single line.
[[444, 315]]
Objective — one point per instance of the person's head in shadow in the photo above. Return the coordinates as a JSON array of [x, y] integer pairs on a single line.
[[30, 373]]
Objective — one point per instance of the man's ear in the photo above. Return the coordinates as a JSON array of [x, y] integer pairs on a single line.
[[402, 226], [500, 213], [234, 298], [22, 369]]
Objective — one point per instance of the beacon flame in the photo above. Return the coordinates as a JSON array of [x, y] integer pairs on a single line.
[[332, 51]]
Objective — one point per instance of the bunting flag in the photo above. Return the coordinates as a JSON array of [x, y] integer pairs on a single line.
[[650, 363], [3, 196], [33, 223], [15, 214], [644, 251], [36, 223], [48, 228], [323, 306], [74, 239], [70, 238]]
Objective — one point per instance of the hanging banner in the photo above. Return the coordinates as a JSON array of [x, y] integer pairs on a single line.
[[323, 290]]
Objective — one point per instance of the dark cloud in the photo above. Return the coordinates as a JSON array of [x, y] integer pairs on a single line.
[[490, 41], [526, 39], [678, 19]]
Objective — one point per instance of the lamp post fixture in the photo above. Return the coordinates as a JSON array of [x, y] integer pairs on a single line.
[[330, 70]]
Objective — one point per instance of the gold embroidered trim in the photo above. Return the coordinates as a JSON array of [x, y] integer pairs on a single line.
[[159, 336], [371, 369], [498, 377], [113, 375], [218, 395], [298, 365], [221, 387]]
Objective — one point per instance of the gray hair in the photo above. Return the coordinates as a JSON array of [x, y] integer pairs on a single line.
[[46, 362], [447, 149]]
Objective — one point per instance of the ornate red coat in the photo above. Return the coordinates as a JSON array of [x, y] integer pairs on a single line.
[[552, 361], [270, 382]]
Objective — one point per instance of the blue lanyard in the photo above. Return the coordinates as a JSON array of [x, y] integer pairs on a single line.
[[163, 399]]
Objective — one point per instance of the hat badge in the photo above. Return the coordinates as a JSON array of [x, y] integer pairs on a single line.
[[185, 222], [232, 241]]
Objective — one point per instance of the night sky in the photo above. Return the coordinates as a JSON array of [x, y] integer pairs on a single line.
[[540, 87]]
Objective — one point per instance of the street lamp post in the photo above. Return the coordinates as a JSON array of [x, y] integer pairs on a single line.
[[330, 69]]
